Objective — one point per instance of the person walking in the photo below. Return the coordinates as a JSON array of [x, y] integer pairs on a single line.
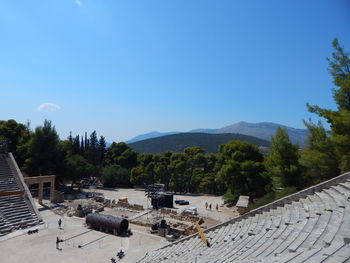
[[59, 223], [217, 207], [206, 205], [209, 206]]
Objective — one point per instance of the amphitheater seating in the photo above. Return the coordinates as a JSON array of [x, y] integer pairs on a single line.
[[310, 226], [16, 211], [7, 179]]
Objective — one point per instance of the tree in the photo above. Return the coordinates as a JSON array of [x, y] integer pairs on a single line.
[[242, 169], [121, 154], [115, 175], [318, 157], [16, 135], [101, 149], [43, 154], [92, 151], [339, 68], [143, 173], [115, 151], [76, 168], [282, 161], [139, 176], [75, 144], [177, 171], [339, 120], [161, 168], [209, 183], [195, 162]]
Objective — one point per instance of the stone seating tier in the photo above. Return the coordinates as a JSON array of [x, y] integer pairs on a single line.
[[16, 211], [309, 226]]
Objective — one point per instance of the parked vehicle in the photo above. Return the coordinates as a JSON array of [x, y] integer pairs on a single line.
[[182, 202], [192, 210]]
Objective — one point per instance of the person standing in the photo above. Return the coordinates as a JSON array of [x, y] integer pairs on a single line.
[[57, 243], [209, 206], [206, 205]]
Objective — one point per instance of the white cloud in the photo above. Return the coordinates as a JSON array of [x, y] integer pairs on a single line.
[[78, 2], [48, 106]]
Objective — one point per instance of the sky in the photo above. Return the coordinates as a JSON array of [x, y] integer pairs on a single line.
[[125, 67]]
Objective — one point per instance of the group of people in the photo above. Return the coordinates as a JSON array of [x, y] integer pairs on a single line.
[[206, 206]]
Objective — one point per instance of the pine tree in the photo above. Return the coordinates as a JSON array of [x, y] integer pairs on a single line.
[[70, 138], [43, 153], [339, 120], [318, 157], [76, 145], [82, 146], [92, 152], [101, 149], [242, 169], [86, 142], [282, 161]]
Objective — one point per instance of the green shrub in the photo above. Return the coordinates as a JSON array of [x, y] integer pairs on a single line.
[[230, 198]]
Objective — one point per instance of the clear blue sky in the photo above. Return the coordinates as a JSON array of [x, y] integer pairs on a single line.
[[128, 67]]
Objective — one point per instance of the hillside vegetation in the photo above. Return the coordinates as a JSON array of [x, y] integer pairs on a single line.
[[179, 142]]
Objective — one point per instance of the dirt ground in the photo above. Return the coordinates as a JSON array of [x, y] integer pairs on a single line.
[[119, 212]]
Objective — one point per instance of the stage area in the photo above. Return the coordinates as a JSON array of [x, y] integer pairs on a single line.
[[95, 246], [196, 200]]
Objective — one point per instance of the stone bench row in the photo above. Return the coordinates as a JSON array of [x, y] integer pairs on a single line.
[[309, 223], [16, 213], [7, 178]]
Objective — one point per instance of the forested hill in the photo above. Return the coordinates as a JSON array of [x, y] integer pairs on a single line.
[[178, 142]]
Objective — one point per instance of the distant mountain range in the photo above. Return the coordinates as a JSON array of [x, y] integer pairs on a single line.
[[262, 130], [178, 142], [149, 136]]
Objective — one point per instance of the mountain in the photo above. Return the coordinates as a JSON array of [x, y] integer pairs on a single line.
[[149, 136], [178, 142], [204, 130], [264, 130]]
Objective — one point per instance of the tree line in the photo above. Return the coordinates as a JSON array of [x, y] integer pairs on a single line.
[[238, 168]]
